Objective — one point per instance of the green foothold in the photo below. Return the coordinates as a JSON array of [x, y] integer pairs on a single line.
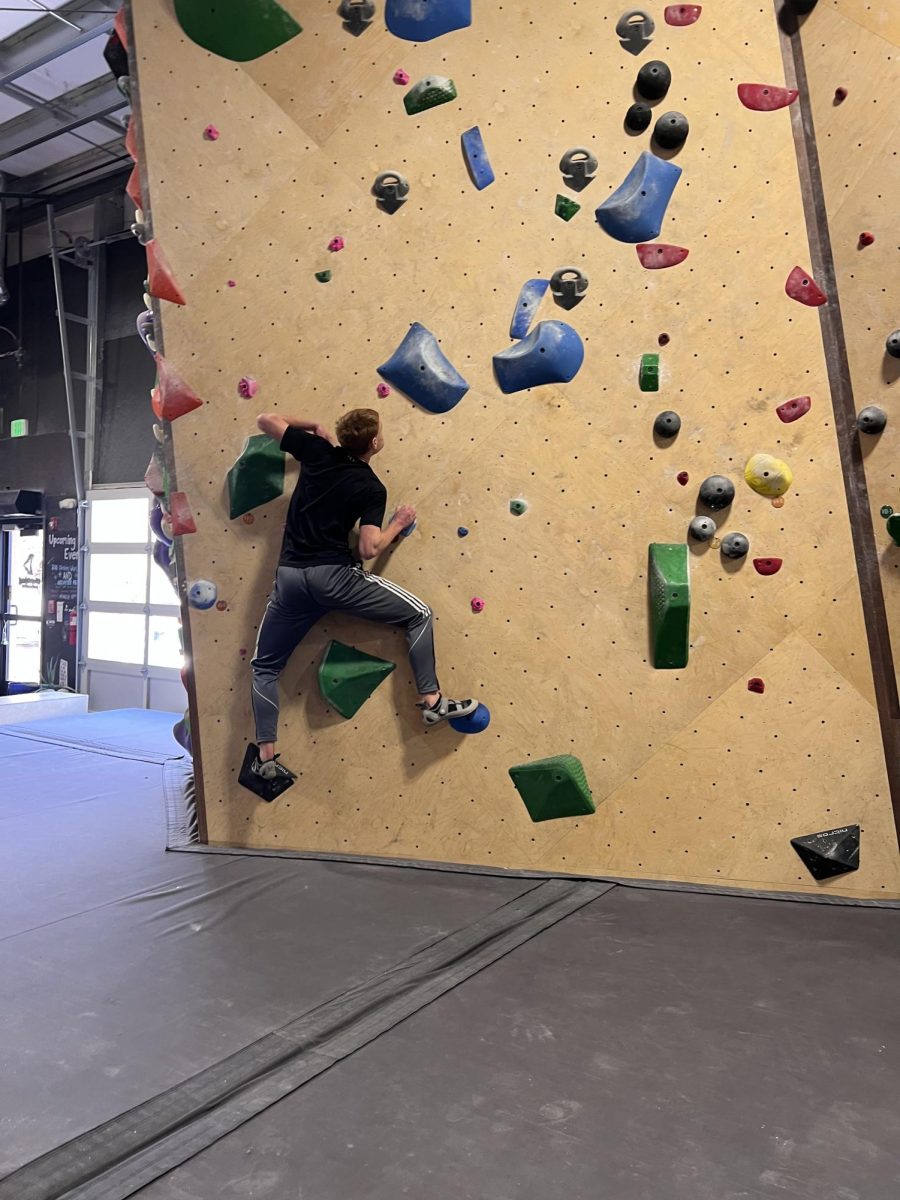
[[257, 475], [566, 208], [648, 377], [429, 93], [518, 507], [323, 276], [553, 787], [893, 528], [670, 605], [348, 677], [886, 510], [240, 32]]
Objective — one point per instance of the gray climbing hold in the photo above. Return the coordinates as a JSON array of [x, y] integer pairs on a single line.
[[526, 306], [667, 424], [653, 80], [578, 167], [702, 529], [552, 353], [735, 545], [391, 189], [634, 30], [567, 286], [638, 117], [420, 368], [892, 344], [635, 210], [716, 492], [871, 419], [357, 15], [671, 130]]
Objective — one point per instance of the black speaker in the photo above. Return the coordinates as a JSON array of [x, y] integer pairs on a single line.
[[21, 504]]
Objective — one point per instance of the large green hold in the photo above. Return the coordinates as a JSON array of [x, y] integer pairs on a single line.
[[553, 787], [648, 376], [670, 604], [257, 476], [348, 677], [237, 29]]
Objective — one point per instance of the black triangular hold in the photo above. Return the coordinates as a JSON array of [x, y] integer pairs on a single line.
[[266, 789], [831, 852]]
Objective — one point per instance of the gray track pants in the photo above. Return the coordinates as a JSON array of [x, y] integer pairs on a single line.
[[301, 596]]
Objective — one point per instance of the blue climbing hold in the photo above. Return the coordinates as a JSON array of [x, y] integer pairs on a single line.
[[552, 353], [420, 368], [462, 531], [477, 161], [526, 306], [635, 210], [422, 20], [475, 722]]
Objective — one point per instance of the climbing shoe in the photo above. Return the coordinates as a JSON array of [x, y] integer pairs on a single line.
[[446, 710], [265, 779]]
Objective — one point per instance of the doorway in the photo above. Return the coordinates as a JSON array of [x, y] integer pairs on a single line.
[[21, 603]]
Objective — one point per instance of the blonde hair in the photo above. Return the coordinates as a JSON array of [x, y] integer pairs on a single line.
[[356, 429]]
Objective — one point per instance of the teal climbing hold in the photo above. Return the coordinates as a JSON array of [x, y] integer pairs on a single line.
[[257, 475], [240, 32], [670, 605], [553, 787], [348, 677]]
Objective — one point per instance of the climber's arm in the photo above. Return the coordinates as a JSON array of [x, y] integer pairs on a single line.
[[274, 426]]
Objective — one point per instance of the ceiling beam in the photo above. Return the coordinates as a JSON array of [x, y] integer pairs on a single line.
[[46, 39], [93, 101]]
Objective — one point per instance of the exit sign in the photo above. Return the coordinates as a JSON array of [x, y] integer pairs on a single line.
[[18, 428]]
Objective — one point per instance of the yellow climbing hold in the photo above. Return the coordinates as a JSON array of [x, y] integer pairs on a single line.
[[767, 475]]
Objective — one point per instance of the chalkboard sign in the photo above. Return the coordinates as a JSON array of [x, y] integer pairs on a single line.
[[60, 600]]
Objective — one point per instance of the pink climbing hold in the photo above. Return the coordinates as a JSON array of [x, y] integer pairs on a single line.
[[866, 238], [793, 410], [211, 133], [401, 77], [683, 478], [765, 97], [247, 387], [756, 685], [767, 566], [682, 14], [655, 255], [232, 283], [477, 604], [383, 390], [801, 286], [336, 243]]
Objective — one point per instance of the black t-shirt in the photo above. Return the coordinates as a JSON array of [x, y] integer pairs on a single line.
[[334, 491]]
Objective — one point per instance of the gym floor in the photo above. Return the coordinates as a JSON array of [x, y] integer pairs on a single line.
[[196, 1025]]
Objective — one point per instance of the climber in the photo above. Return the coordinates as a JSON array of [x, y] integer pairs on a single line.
[[318, 574]]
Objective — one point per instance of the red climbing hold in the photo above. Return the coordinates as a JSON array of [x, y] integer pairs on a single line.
[[119, 27], [655, 255], [866, 238], [683, 478], [765, 97], [663, 339], [756, 685], [133, 187], [174, 396], [767, 566], [161, 281], [180, 512], [682, 14], [801, 286], [840, 95], [131, 139], [793, 410], [232, 283]]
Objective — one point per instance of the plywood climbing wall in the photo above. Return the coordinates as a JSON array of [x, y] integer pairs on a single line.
[[695, 778]]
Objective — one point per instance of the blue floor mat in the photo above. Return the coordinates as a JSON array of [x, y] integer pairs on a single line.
[[127, 732]]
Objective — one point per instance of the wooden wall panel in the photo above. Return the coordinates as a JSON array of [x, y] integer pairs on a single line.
[[695, 778]]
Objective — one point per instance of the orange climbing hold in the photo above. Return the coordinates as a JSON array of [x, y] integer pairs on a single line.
[[180, 512], [801, 286], [162, 283], [174, 396], [131, 139], [655, 255], [120, 27], [133, 187]]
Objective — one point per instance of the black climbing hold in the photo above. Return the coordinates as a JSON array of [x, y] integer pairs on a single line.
[[671, 130], [871, 419], [653, 80], [702, 529], [831, 852], [638, 117], [667, 424], [663, 339], [892, 344], [802, 7], [266, 789], [735, 545], [567, 286], [116, 56], [716, 492], [391, 190]]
